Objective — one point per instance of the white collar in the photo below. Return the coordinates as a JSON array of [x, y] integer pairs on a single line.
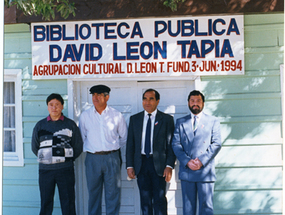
[[105, 110], [198, 115], [153, 114]]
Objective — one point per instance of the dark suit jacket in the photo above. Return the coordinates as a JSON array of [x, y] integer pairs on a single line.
[[205, 145], [162, 151]]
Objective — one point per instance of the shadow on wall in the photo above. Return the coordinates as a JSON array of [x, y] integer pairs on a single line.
[[249, 166]]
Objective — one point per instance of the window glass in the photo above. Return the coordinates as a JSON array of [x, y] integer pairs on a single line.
[[12, 118]]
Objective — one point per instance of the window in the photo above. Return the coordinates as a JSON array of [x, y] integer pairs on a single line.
[[13, 137]]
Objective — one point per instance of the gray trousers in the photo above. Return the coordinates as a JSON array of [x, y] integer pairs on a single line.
[[201, 191], [103, 171]]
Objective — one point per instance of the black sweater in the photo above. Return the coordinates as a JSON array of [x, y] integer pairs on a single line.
[[56, 143]]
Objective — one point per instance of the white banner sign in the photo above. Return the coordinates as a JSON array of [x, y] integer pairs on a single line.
[[139, 48]]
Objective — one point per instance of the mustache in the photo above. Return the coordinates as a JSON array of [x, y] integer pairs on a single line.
[[195, 106]]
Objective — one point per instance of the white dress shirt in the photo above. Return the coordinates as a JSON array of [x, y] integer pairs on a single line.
[[198, 117], [102, 132], [153, 115]]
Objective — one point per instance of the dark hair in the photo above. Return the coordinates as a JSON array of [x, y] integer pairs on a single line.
[[157, 95], [196, 93], [55, 96]]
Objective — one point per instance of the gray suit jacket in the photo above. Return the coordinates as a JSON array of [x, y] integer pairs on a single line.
[[205, 145], [162, 151]]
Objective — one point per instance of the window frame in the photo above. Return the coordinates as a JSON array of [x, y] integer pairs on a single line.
[[15, 158]]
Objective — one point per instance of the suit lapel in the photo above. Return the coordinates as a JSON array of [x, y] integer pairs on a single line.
[[202, 123], [139, 125], [157, 124], [187, 125]]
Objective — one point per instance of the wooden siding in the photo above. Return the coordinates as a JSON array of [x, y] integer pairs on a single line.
[[20, 184], [249, 166]]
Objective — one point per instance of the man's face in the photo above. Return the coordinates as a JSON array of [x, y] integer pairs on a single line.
[[55, 108], [100, 100], [196, 104], [149, 102]]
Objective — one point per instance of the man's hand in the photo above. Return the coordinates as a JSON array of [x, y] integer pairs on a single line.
[[198, 163], [195, 164], [167, 174], [131, 173]]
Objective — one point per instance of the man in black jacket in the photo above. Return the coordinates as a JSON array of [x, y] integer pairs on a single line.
[[149, 154]]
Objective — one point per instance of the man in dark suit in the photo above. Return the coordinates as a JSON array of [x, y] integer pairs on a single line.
[[149, 154], [196, 142]]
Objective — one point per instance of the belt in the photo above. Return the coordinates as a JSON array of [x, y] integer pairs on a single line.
[[104, 152]]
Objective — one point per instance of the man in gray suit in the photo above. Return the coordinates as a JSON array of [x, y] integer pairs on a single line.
[[149, 154], [196, 142]]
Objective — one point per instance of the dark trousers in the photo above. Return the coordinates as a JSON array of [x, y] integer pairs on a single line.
[[152, 189], [65, 181]]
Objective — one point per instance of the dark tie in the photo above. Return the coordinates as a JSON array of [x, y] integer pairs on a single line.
[[147, 136]]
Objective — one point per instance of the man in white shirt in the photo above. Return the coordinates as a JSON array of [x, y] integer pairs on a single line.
[[104, 132]]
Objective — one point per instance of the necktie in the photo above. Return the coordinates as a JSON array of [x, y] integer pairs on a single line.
[[147, 136], [195, 123]]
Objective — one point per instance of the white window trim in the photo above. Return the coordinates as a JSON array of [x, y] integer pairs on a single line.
[[16, 158]]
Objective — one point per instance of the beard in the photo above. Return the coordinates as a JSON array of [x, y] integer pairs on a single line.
[[195, 109]]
